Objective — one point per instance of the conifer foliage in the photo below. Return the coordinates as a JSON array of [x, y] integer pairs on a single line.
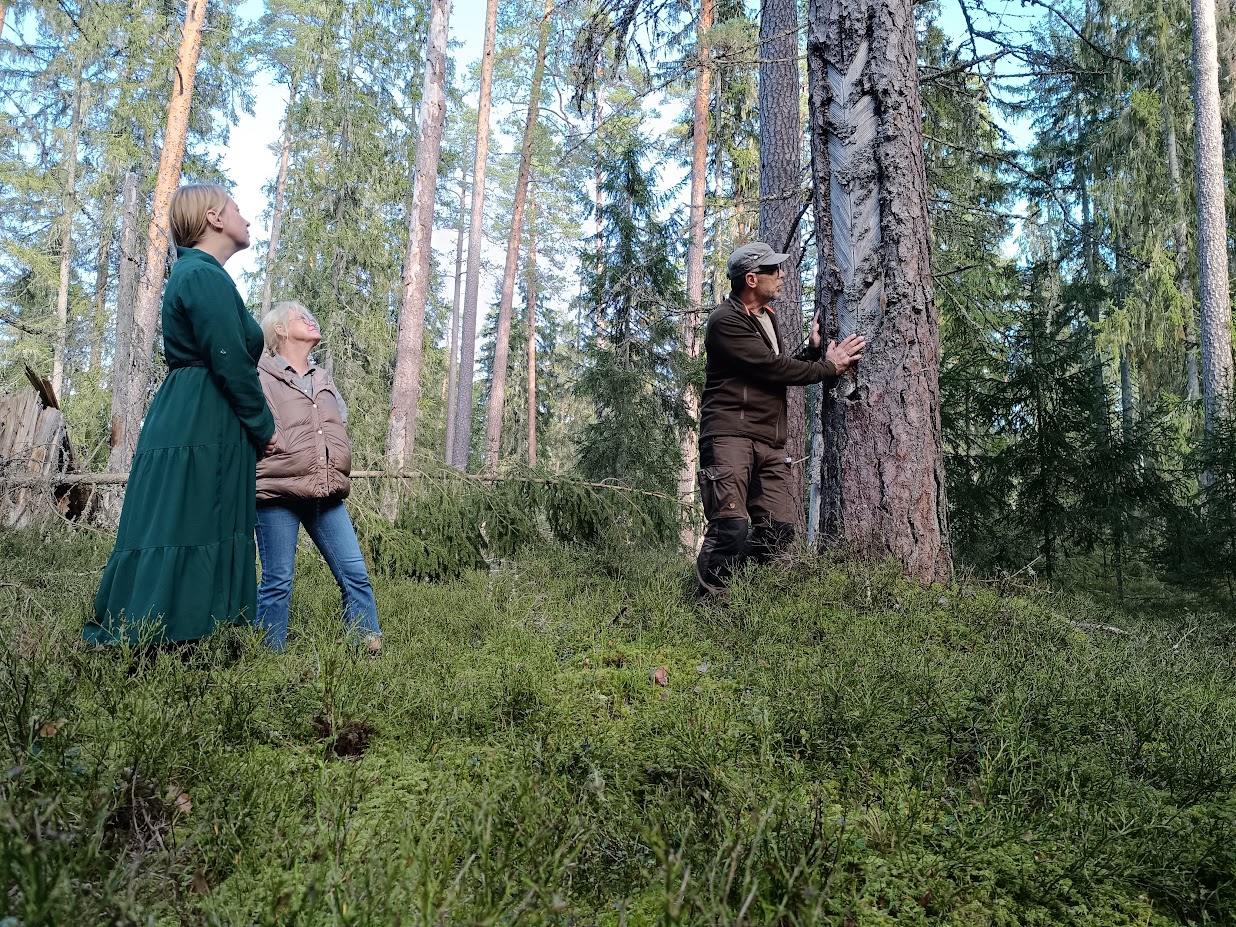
[[635, 299]]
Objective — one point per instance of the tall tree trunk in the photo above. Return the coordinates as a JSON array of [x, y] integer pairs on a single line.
[[781, 136], [467, 342], [1184, 281], [127, 270], [405, 392], [276, 211], [103, 258], [128, 411], [452, 378], [688, 445], [531, 284], [883, 482], [66, 237], [502, 343], [1216, 308]]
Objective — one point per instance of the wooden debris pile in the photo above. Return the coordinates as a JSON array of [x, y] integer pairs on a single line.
[[35, 455]]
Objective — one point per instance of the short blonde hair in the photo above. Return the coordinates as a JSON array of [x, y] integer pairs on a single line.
[[190, 203], [278, 315]]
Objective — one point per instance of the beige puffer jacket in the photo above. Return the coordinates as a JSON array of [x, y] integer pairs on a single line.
[[313, 455]]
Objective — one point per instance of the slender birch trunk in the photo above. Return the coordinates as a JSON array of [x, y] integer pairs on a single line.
[[66, 238], [467, 342], [688, 445], [1216, 309], [405, 392], [128, 411], [502, 343], [781, 135], [883, 481], [276, 211], [531, 284], [452, 378]]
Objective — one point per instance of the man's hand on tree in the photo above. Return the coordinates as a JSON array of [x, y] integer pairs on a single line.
[[843, 356]]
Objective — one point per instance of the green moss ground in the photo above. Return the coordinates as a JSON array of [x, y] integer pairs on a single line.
[[834, 746]]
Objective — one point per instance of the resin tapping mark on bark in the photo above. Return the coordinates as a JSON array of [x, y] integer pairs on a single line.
[[854, 190]]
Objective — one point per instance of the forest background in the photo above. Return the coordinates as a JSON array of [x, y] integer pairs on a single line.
[[554, 333], [558, 735]]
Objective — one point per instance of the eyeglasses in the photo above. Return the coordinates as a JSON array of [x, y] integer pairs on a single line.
[[770, 270], [304, 318]]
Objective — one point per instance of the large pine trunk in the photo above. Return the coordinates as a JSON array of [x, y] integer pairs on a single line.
[[695, 272], [276, 211], [781, 202], [1216, 309], [882, 485], [467, 337], [130, 384], [506, 303], [406, 390]]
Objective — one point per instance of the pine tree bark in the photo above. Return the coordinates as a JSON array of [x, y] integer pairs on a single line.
[[452, 378], [780, 201], [688, 446], [531, 352], [883, 483], [467, 341], [1216, 309], [127, 413], [66, 238], [276, 212], [405, 392], [506, 303]]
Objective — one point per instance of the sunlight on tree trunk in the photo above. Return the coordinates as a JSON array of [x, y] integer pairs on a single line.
[[406, 390], [129, 401], [1216, 309]]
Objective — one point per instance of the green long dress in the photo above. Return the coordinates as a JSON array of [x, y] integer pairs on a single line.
[[184, 560]]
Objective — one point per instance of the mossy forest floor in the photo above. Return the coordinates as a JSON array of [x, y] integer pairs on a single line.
[[834, 746]]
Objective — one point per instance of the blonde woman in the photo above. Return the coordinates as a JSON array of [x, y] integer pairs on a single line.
[[305, 481], [183, 561]]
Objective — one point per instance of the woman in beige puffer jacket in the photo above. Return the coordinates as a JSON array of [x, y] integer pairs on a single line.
[[305, 480]]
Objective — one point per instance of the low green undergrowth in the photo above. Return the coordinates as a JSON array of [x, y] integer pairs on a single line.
[[833, 746]]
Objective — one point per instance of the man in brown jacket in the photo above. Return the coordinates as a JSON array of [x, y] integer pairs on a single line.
[[749, 498]]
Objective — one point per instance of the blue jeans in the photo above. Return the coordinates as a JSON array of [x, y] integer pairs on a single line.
[[327, 522]]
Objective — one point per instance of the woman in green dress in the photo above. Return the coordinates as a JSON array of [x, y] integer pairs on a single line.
[[184, 560]]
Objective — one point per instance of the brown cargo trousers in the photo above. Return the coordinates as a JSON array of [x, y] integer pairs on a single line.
[[749, 504]]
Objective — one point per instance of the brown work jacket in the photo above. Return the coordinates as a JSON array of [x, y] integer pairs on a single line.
[[744, 388], [313, 456]]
